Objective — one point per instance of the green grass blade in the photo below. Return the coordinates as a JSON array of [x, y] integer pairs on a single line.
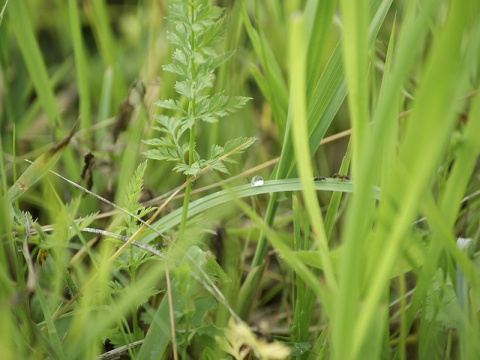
[[38, 169], [336, 196], [443, 81], [106, 95], [276, 87], [3, 11], [355, 48], [80, 64], [455, 188], [331, 90], [391, 131], [416, 255], [355, 262], [159, 335], [327, 97], [32, 112], [8, 321], [297, 70], [285, 252], [329, 93], [319, 16], [52, 330], [100, 22], [269, 187], [22, 28], [302, 312]]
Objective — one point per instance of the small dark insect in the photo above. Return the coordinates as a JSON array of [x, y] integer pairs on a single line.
[[88, 161], [340, 177], [319, 178]]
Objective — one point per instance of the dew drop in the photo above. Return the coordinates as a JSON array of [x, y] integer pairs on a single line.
[[257, 181]]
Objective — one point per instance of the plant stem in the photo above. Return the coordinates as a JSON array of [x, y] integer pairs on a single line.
[[134, 308], [188, 189], [192, 111]]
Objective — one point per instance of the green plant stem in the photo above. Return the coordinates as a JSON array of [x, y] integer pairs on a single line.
[[192, 104], [261, 250], [186, 200], [188, 189], [134, 308], [403, 318], [131, 271], [187, 331]]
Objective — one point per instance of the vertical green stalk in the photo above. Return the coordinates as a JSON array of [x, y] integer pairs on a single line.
[[403, 318], [80, 64], [355, 16], [297, 64], [191, 107], [188, 189], [22, 27], [135, 326]]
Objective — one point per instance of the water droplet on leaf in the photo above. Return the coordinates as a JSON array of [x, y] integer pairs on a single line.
[[257, 181]]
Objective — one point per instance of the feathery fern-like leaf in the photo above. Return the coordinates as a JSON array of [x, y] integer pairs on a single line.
[[197, 28]]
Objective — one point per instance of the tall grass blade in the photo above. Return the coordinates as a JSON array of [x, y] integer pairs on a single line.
[[297, 63], [22, 28], [80, 64], [241, 191], [442, 83], [326, 99], [319, 16], [38, 168]]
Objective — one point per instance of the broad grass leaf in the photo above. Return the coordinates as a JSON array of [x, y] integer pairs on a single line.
[[38, 168]]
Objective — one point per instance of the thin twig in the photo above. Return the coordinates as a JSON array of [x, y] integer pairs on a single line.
[[145, 223], [3, 11], [118, 352], [125, 239]]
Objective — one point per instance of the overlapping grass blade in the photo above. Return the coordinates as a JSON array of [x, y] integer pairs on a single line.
[[319, 16], [451, 198], [52, 330], [269, 187], [273, 84], [355, 48], [442, 83], [298, 93], [38, 168], [98, 15], [80, 64], [326, 99], [22, 28]]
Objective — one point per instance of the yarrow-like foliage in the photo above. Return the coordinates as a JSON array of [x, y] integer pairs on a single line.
[[197, 28]]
